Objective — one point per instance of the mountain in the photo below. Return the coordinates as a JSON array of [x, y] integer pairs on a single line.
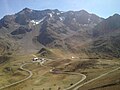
[[109, 25], [50, 28], [107, 37], [74, 31]]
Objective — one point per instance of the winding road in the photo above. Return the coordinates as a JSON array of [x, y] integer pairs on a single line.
[[78, 86], [21, 67], [75, 86]]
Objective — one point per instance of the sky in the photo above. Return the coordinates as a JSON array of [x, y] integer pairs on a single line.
[[102, 8]]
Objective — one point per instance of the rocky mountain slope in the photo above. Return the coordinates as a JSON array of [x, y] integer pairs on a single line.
[[107, 37], [74, 31]]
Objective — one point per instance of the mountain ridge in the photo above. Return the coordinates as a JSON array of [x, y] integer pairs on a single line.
[[74, 31]]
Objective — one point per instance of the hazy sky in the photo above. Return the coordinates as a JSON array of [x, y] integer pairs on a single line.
[[103, 8]]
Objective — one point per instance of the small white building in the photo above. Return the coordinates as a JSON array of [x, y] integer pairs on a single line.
[[72, 57], [42, 60], [35, 59]]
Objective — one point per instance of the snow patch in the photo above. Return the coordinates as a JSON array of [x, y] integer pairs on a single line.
[[50, 14], [89, 19], [85, 24], [62, 12], [35, 22], [58, 13], [74, 19], [53, 12], [31, 10], [62, 18]]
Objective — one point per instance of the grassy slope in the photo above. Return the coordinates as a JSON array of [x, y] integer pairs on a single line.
[[40, 72], [109, 82]]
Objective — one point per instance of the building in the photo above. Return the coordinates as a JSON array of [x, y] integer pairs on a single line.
[[35, 59]]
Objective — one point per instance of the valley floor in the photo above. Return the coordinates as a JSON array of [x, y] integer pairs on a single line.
[[43, 79]]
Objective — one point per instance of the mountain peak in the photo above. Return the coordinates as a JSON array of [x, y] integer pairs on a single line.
[[116, 15], [25, 10], [56, 10], [83, 11]]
